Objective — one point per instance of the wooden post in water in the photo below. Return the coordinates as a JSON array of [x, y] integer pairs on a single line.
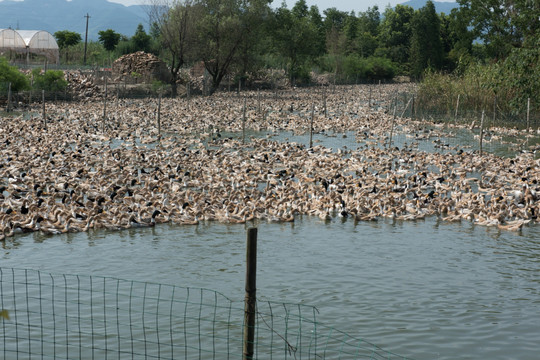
[[9, 98], [251, 295], [369, 101], [43, 109], [457, 107], [244, 122], [311, 125], [406, 106], [528, 113], [392, 128], [104, 106], [494, 110], [481, 131], [159, 116], [258, 100], [413, 109], [324, 102]]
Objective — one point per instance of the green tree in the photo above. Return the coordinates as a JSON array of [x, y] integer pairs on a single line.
[[395, 34], [502, 24], [368, 31], [141, 40], [426, 45], [66, 39], [10, 74], [295, 38], [255, 41], [109, 38], [177, 34]]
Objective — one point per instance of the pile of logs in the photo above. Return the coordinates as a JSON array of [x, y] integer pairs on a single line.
[[140, 65]]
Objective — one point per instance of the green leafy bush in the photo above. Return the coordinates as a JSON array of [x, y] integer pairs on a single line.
[[51, 80], [371, 68], [10, 74]]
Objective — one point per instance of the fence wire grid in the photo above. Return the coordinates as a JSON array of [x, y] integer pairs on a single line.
[[59, 316]]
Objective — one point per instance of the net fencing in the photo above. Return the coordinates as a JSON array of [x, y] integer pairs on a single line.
[[59, 316]]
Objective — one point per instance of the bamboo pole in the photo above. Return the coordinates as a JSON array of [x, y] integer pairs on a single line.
[[159, 115], [9, 98], [406, 106], [481, 131], [251, 295], [104, 106], [43, 108], [258, 100], [244, 122], [494, 110], [324, 103], [457, 108], [392, 128], [528, 113], [311, 125], [413, 109]]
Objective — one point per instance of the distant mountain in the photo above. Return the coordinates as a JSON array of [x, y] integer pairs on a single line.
[[55, 15], [440, 6]]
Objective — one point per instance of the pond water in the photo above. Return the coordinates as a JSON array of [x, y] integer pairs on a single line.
[[425, 289]]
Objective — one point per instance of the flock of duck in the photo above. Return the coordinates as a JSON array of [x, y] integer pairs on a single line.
[[78, 170]]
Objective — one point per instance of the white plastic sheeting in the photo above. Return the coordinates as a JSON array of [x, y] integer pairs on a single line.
[[29, 42]]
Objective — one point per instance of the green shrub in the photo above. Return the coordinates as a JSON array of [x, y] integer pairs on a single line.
[[371, 68], [51, 80], [10, 74]]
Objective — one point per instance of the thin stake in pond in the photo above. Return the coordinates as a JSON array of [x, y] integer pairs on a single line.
[[258, 100], [369, 101], [392, 128], [528, 113], [324, 102], [104, 106], [251, 295], [481, 131], [457, 108], [9, 98], [244, 122], [159, 116], [494, 109], [311, 125], [43, 109], [406, 106]]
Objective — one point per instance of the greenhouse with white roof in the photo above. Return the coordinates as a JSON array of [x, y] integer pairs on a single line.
[[17, 43]]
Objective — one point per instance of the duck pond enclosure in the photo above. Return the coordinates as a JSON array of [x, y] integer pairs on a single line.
[[398, 230]]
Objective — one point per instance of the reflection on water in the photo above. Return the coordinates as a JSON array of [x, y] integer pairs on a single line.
[[426, 289]]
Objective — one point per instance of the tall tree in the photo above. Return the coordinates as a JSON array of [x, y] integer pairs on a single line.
[[141, 40], [502, 24], [426, 45], [65, 39], [255, 41], [109, 38], [295, 38], [395, 34], [368, 31], [219, 36], [178, 34]]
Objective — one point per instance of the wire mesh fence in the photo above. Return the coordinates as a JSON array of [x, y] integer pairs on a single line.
[[59, 316]]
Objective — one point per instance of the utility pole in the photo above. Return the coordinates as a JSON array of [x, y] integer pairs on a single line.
[[86, 37]]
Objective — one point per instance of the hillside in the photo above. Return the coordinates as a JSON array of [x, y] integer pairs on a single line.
[[54, 15], [440, 6]]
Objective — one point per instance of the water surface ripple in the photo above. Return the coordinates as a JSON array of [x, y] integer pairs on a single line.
[[425, 290]]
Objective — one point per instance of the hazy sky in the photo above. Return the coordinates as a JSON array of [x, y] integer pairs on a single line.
[[347, 5]]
